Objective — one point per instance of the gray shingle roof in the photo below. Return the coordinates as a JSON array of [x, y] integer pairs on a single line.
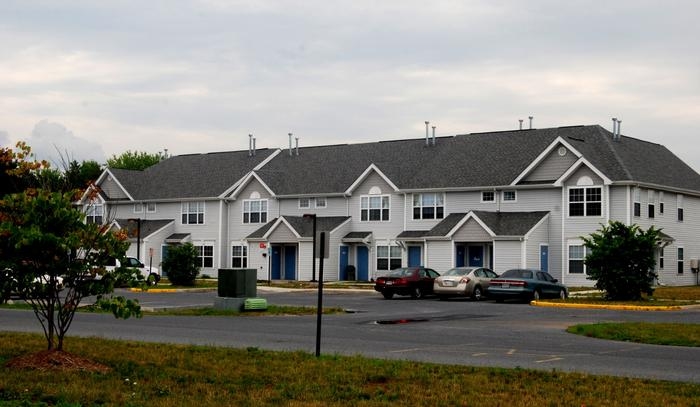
[[471, 160], [190, 176], [303, 226], [501, 223]]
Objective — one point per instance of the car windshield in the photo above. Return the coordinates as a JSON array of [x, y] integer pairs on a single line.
[[401, 273], [457, 272], [517, 273]]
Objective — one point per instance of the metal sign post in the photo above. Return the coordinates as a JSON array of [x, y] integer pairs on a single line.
[[319, 309]]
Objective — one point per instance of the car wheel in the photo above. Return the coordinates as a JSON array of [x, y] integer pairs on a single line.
[[562, 294], [477, 294], [388, 295], [417, 293], [536, 295], [153, 279]]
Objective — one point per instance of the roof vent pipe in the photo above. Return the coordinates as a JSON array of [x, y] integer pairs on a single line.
[[250, 145], [433, 135], [296, 147], [427, 124], [521, 123], [253, 146], [530, 117], [290, 143], [619, 122], [614, 131]]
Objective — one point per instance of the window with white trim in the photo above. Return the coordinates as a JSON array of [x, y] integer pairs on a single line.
[[321, 202], [680, 260], [651, 204], [239, 256], [661, 258], [374, 208], [138, 207], [509, 196], [488, 196], [388, 257], [428, 206], [637, 203], [679, 201], [150, 207], [95, 213], [205, 255], [255, 211], [661, 203], [585, 201], [577, 256], [304, 203], [193, 213]]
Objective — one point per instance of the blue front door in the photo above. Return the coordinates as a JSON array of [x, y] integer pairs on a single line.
[[414, 257], [544, 258], [461, 255], [276, 263], [476, 256], [343, 263], [290, 262], [362, 263]]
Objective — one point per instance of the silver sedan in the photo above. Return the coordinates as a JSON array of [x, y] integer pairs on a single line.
[[463, 282]]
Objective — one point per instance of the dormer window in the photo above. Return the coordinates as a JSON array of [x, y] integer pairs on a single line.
[[374, 208]]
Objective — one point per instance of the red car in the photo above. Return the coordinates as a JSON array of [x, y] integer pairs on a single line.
[[413, 281]]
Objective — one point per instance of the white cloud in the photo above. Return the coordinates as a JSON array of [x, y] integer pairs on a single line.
[[55, 143]]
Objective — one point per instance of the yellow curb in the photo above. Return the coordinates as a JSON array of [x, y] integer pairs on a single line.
[[154, 290], [610, 307]]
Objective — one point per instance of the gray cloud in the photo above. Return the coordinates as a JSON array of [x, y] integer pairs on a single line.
[[55, 143]]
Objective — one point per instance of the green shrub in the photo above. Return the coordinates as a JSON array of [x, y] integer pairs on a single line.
[[181, 264]]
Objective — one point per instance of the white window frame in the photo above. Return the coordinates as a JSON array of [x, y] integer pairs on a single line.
[[304, 203], [138, 207], [187, 210], [243, 256], [569, 259], [661, 258], [636, 203], [93, 212], [438, 202], [651, 204], [661, 203], [248, 210], [365, 205], [515, 196], [391, 254], [200, 246], [680, 260], [321, 202], [149, 208], [585, 201], [680, 215], [493, 196]]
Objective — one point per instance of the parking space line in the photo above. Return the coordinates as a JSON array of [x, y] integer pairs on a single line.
[[479, 354], [553, 359], [510, 352]]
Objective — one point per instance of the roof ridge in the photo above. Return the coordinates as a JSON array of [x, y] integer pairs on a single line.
[[602, 132]]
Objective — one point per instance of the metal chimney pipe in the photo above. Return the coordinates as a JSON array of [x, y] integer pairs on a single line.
[[521, 123], [433, 135], [530, 117], [250, 145], [614, 132], [253, 146], [290, 143], [619, 122], [296, 147], [427, 124]]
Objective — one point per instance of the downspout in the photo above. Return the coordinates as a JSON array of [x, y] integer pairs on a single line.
[[405, 210], [523, 252], [562, 241], [222, 244]]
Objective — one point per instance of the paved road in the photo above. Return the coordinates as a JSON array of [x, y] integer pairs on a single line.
[[457, 332]]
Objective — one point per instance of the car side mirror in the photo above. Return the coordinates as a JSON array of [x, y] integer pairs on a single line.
[[555, 281]]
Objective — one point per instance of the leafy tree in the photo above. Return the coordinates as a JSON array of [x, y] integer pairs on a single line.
[[135, 160], [181, 264], [80, 175], [17, 171], [48, 252], [621, 260]]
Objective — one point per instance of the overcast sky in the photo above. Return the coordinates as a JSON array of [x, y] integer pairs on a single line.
[[95, 78]]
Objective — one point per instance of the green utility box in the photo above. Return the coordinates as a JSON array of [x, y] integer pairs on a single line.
[[255, 304], [238, 283]]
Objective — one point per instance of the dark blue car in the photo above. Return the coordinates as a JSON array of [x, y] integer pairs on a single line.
[[526, 284]]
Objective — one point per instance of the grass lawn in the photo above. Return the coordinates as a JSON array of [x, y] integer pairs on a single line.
[[166, 375], [642, 332]]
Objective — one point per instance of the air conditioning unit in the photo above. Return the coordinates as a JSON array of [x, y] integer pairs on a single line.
[[694, 265]]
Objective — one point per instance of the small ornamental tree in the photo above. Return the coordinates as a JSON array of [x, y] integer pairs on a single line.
[[48, 253], [621, 260], [181, 264]]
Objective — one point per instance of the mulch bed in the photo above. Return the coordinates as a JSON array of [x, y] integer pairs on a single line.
[[56, 360]]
